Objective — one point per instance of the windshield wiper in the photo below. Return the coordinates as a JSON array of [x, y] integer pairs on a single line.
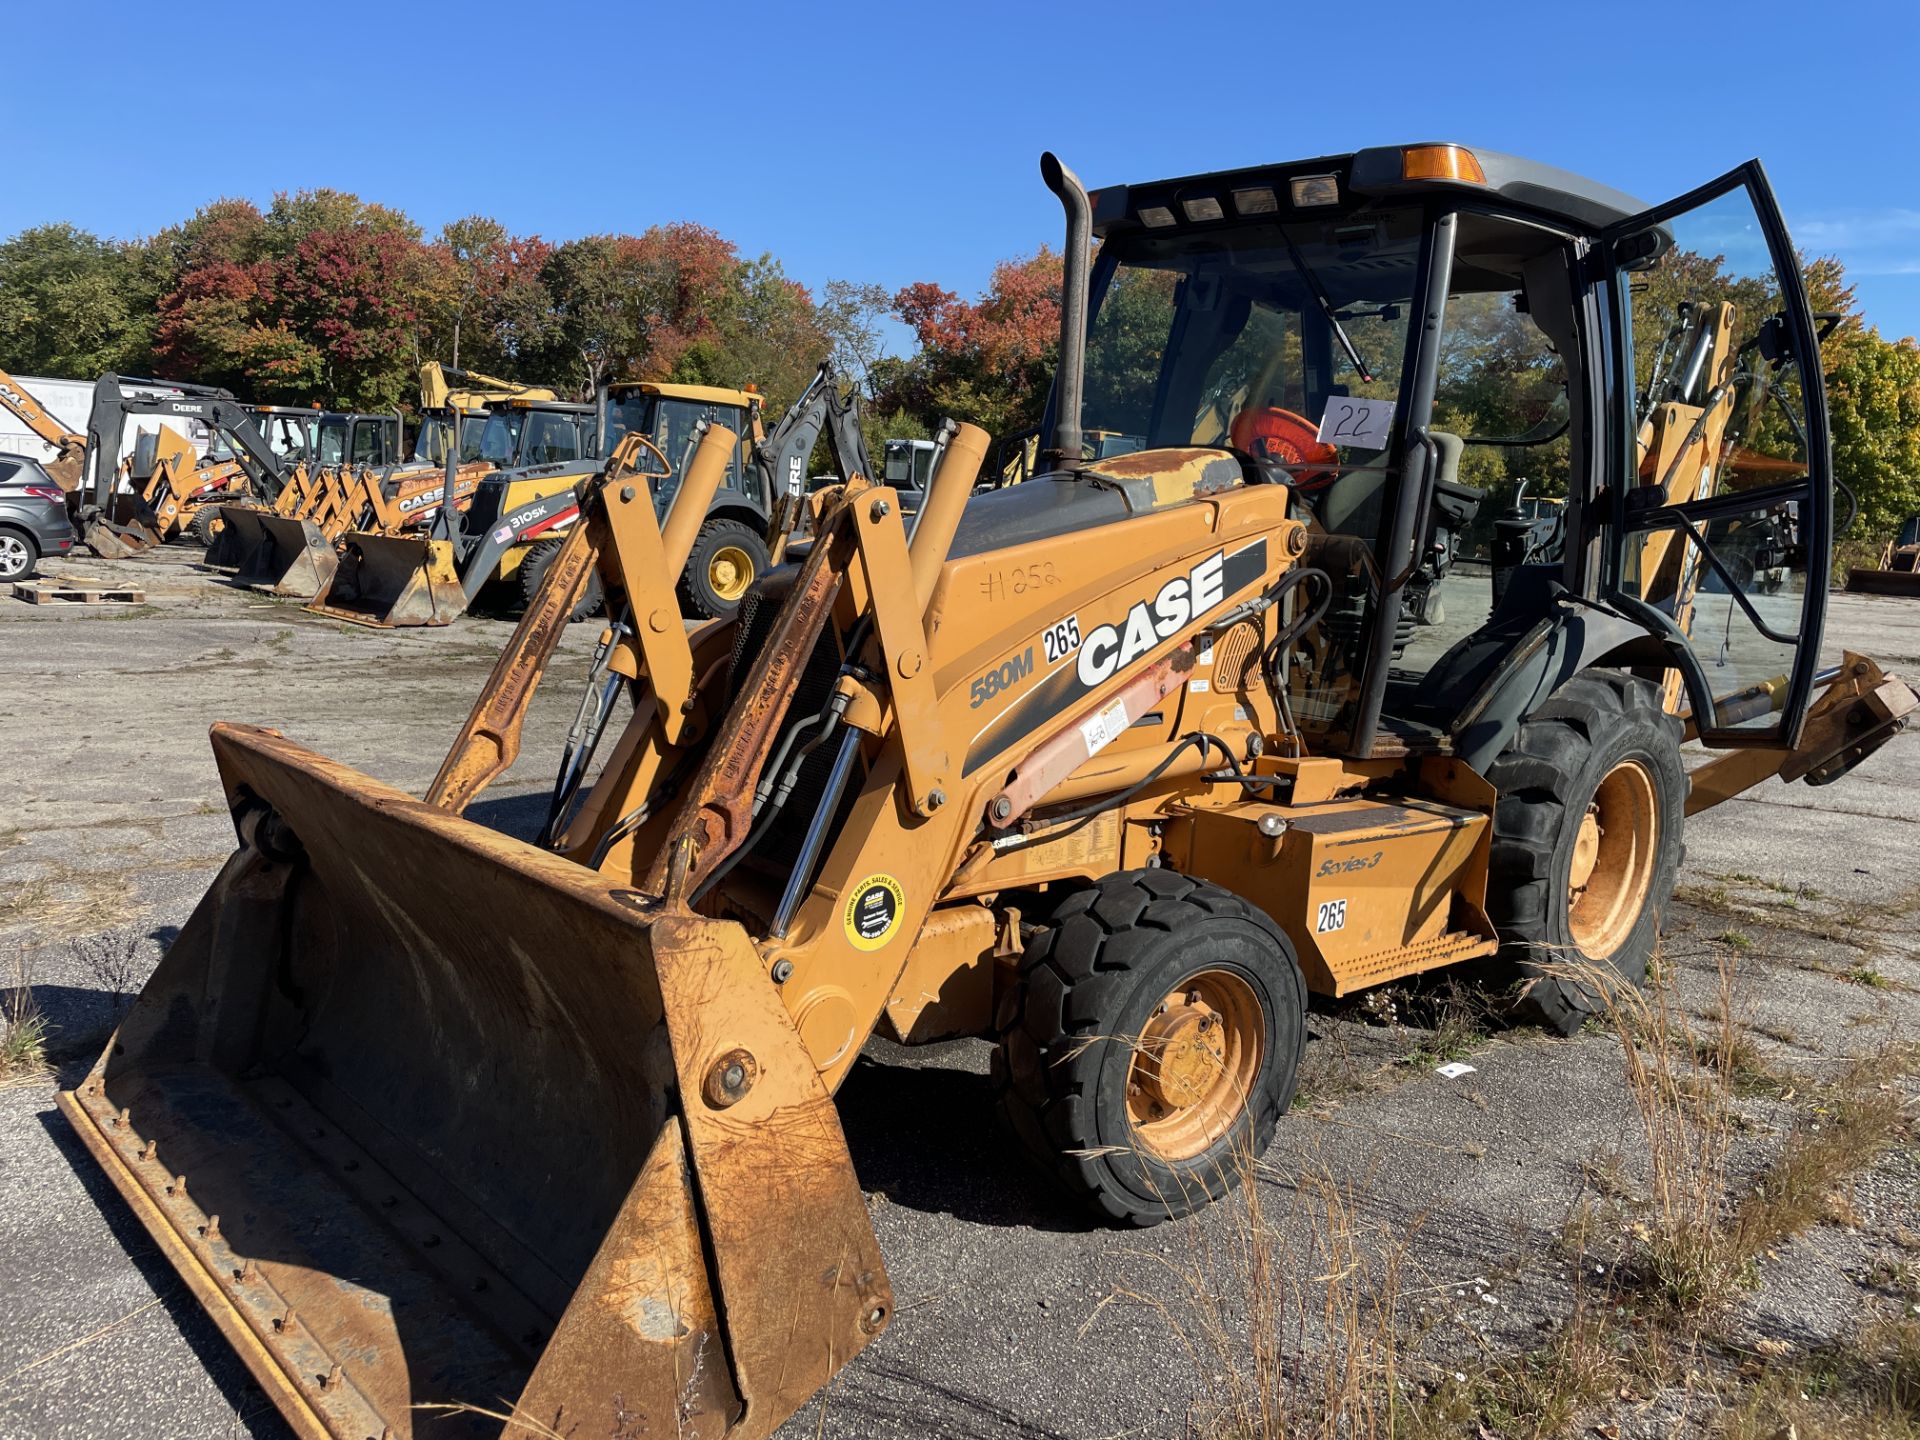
[[1326, 308]]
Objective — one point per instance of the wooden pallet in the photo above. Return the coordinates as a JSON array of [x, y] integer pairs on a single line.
[[66, 592]]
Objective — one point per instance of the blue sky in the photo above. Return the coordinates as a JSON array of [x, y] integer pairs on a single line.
[[898, 142]]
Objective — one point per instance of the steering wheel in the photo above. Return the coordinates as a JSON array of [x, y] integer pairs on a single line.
[[1281, 437], [634, 456]]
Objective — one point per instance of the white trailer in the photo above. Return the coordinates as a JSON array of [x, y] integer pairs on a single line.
[[71, 403]]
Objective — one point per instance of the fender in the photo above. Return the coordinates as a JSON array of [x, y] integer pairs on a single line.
[[1503, 672]]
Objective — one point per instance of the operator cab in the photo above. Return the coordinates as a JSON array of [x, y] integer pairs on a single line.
[[670, 416], [522, 433], [1405, 336]]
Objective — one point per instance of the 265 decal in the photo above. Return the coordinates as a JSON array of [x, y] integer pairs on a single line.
[[1063, 639]]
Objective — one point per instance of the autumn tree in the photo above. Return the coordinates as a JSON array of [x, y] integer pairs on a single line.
[[990, 360], [483, 303]]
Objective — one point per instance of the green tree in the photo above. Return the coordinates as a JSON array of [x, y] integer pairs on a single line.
[[71, 304], [761, 329]]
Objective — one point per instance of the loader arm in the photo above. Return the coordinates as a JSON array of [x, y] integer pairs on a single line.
[[475, 389]]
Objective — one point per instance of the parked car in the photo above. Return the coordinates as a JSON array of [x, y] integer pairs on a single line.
[[33, 517]]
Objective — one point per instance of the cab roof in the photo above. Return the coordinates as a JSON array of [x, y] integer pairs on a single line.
[[1299, 189], [565, 407], [700, 394]]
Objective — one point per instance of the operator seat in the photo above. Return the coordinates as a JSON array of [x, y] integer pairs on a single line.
[[1351, 504]]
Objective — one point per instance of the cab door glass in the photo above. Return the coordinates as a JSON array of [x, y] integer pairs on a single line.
[[1717, 513]]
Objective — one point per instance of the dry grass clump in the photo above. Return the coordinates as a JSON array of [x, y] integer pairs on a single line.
[[1868, 1389], [23, 1029], [1292, 1317]]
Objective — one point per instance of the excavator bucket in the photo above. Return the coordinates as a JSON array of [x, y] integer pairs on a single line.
[[391, 580], [288, 557], [111, 540], [439, 1126]]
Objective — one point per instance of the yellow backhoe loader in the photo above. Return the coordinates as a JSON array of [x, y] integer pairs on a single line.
[[159, 491], [293, 547], [1114, 766], [509, 533], [1898, 572]]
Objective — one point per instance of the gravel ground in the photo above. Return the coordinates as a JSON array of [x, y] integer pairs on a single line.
[[1013, 1317]]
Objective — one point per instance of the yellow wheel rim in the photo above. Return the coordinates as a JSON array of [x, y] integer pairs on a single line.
[[1610, 873], [730, 572], [1194, 1065]]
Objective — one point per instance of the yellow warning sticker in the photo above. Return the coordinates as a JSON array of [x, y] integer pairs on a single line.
[[873, 912]]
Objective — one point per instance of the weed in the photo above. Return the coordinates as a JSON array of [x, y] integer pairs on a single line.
[[112, 958], [1852, 1121], [1736, 940], [1865, 975], [23, 1029]]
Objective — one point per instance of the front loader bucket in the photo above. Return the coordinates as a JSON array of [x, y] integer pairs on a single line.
[[1884, 582], [235, 540], [390, 580], [289, 557], [434, 1122]]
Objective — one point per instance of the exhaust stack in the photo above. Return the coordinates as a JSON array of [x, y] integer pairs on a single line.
[[1069, 380]]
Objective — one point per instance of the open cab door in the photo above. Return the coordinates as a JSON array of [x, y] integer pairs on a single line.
[[1719, 540]]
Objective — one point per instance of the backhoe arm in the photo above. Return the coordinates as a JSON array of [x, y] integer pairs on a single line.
[[780, 460], [68, 468]]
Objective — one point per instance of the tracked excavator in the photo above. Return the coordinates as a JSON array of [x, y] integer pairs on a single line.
[[1114, 766]]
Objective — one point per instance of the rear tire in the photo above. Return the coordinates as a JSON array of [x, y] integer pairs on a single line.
[[1205, 990], [727, 557], [533, 570], [1586, 843], [201, 527], [18, 554]]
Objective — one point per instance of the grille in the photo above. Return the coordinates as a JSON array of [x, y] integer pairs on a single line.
[[1233, 655]]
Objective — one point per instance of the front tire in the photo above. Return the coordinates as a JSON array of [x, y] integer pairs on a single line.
[[1151, 1044], [727, 557], [1586, 844], [533, 570]]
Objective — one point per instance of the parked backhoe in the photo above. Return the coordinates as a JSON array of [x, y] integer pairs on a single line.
[[1113, 766], [510, 532], [295, 548], [1898, 572], [168, 485]]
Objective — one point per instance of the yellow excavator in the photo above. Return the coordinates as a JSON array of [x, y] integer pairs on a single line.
[[69, 463], [451, 1132]]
